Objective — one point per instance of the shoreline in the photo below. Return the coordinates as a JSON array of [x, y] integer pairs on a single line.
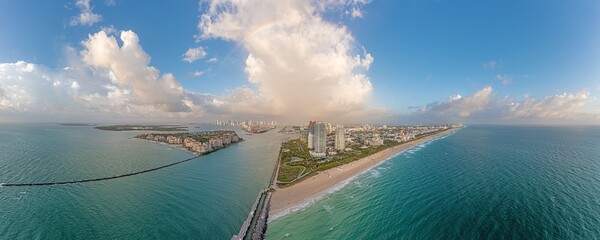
[[302, 194]]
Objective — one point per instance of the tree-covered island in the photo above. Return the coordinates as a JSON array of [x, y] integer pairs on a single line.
[[196, 142]]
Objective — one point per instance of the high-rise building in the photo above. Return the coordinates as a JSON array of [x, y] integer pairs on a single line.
[[310, 134], [340, 138], [319, 137], [330, 128], [304, 136]]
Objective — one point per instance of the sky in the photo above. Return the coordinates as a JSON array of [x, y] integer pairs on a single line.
[[345, 61]]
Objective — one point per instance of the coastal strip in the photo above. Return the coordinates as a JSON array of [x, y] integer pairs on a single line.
[[287, 199]]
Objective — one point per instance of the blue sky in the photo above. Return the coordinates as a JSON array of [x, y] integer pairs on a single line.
[[441, 46], [531, 61]]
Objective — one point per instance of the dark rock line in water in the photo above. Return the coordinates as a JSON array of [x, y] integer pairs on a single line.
[[95, 179]]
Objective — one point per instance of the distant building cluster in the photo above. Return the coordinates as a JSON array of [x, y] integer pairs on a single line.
[[316, 137], [325, 140], [250, 126], [199, 143]]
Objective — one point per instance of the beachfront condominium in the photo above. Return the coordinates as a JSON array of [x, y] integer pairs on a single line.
[[319, 137], [340, 138], [310, 134]]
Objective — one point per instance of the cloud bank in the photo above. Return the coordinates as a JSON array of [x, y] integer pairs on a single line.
[[110, 78], [484, 107], [299, 66]]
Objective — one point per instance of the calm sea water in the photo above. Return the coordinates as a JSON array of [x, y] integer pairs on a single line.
[[482, 182], [207, 198]]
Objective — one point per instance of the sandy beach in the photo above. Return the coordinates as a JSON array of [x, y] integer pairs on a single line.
[[288, 198]]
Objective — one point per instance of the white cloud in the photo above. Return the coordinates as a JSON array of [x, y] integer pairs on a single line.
[[458, 106], [75, 85], [455, 97], [301, 65], [129, 65], [212, 60], [194, 54], [86, 16], [196, 73], [504, 78], [356, 13], [30, 92], [491, 65], [109, 29]]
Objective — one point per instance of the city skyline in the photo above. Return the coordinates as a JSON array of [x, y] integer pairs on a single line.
[[355, 61]]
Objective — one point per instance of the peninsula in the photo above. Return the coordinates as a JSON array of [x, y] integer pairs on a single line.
[[162, 128], [197, 142], [304, 175]]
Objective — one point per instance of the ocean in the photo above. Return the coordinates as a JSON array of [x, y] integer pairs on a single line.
[[206, 198], [481, 182]]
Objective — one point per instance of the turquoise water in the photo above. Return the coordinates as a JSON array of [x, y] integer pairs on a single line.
[[206, 198], [482, 182]]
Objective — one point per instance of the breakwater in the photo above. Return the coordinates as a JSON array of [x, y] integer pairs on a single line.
[[95, 179], [256, 222], [244, 229]]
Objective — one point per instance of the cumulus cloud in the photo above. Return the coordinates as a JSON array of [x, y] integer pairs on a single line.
[[86, 16], [491, 65], [299, 64], [84, 93], [128, 65], [484, 106], [109, 79], [212, 60], [4, 99], [194, 54], [504, 78]]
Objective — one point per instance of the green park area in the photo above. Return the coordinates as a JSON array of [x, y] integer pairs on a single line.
[[297, 164]]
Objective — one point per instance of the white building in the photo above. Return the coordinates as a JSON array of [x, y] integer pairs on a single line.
[[340, 139]]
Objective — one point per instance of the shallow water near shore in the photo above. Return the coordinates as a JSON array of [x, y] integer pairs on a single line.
[[482, 182], [206, 198]]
